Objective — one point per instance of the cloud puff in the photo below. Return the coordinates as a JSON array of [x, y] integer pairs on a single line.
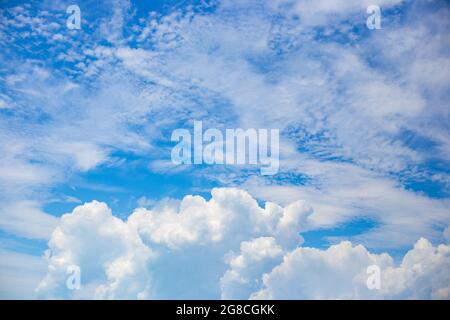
[[230, 215], [228, 247], [340, 272], [246, 268], [111, 256], [115, 257]]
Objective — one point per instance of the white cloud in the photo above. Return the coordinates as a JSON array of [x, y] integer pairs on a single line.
[[340, 272], [256, 257], [111, 256], [324, 12], [225, 247], [116, 258], [20, 274], [341, 192], [231, 215], [447, 234], [308, 273], [85, 156], [26, 219]]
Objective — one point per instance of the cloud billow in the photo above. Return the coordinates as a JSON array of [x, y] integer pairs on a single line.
[[225, 247]]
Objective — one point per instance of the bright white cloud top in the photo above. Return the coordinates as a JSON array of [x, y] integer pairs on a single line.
[[234, 247]]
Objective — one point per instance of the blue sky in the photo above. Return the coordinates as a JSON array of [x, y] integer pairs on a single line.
[[86, 118]]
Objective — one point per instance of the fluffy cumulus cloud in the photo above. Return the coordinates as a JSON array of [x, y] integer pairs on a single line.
[[118, 257], [343, 270], [246, 268], [226, 247], [231, 215], [111, 256]]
